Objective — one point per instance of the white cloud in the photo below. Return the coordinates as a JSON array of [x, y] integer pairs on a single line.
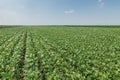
[[101, 3], [69, 11], [12, 17], [12, 12], [100, 0]]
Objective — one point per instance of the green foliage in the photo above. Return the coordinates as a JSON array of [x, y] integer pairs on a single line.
[[60, 53]]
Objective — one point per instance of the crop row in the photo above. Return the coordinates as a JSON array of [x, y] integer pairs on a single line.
[[50, 53]]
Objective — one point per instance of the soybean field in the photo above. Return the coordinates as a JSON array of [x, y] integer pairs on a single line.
[[60, 53]]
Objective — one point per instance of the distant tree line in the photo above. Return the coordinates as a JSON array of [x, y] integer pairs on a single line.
[[103, 26]]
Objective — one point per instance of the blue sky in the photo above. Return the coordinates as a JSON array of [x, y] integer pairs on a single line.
[[60, 12]]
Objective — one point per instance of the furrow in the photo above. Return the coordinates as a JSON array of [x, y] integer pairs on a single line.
[[40, 66], [22, 58]]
